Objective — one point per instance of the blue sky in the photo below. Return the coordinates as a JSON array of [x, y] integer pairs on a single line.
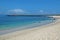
[[30, 6]]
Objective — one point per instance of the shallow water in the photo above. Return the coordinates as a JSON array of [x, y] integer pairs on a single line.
[[10, 22]]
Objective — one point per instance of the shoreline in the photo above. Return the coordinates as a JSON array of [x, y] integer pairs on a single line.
[[35, 33], [33, 25]]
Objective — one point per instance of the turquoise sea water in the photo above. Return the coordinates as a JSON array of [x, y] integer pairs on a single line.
[[10, 22], [22, 22]]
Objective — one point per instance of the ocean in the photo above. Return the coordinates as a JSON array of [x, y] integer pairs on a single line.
[[22, 22]]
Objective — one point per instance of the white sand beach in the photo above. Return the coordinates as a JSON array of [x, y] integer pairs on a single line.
[[46, 32]]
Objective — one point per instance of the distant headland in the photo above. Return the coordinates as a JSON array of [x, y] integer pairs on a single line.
[[36, 15]]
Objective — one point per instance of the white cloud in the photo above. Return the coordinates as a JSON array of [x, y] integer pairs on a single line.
[[41, 11], [16, 11]]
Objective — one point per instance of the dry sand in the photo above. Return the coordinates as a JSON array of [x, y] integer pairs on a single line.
[[47, 32]]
